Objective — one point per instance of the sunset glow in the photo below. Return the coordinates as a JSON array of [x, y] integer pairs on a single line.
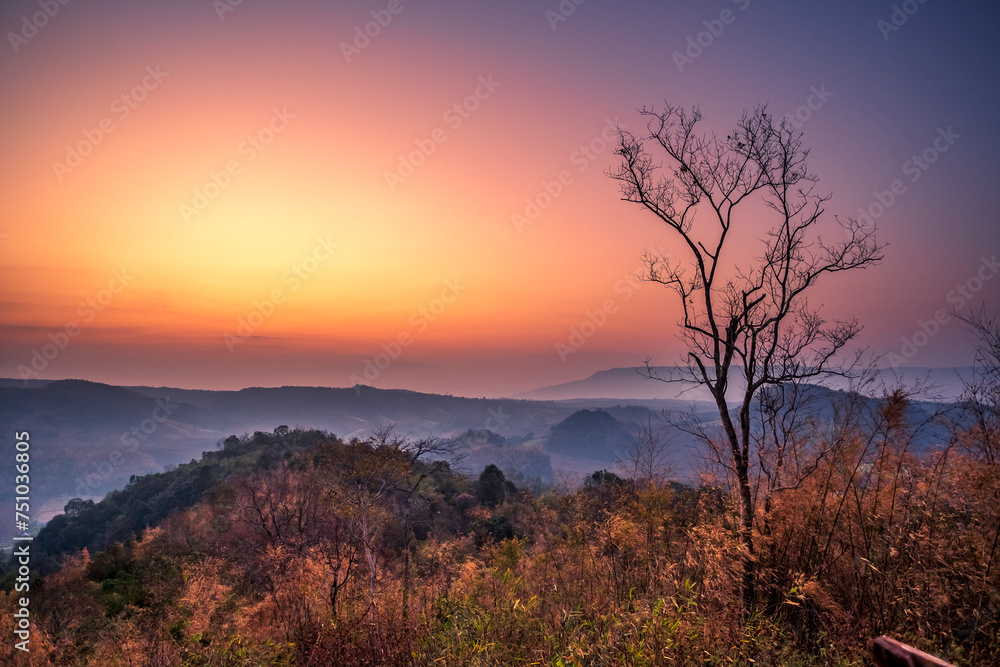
[[217, 199]]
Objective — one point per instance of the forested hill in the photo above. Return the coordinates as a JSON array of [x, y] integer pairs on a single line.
[[149, 499]]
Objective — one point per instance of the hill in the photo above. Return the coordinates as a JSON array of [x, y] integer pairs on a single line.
[[90, 438], [620, 383], [591, 434], [149, 499]]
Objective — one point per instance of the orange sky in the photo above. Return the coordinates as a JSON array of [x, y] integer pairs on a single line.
[[264, 103]]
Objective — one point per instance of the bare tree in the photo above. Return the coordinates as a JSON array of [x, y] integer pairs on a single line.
[[981, 395], [981, 403], [415, 461], [360, 480], [752, 320], [647, 452]]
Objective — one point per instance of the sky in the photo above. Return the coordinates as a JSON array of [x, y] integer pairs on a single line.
[[229, 194]]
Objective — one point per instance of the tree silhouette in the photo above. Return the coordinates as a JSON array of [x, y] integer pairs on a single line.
[[492, 486], [751, 319]]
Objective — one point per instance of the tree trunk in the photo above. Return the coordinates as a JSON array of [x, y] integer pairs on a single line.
[[406, 560], [746, 538], [742, 465]]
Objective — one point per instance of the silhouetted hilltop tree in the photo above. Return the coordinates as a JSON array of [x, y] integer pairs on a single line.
[[492, 487]]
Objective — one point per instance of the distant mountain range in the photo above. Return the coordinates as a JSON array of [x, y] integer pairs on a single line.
[[634, 384], [622, 384]]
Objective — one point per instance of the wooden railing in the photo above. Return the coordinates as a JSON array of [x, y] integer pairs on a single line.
[[891, 653]]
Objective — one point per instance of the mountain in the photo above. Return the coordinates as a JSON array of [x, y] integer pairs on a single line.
[[89, 438], [942, 384], [620, 383]]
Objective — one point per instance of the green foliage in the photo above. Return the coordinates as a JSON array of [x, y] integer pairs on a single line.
[[492, 487], [149, 499], [127, 582], [604, 478], [492, 530]]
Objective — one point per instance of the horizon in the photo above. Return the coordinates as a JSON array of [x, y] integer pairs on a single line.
[[216, 196], [936, 391]]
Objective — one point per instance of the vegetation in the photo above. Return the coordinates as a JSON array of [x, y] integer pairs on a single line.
[[311, 550], [520, 459], [148, 500]]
